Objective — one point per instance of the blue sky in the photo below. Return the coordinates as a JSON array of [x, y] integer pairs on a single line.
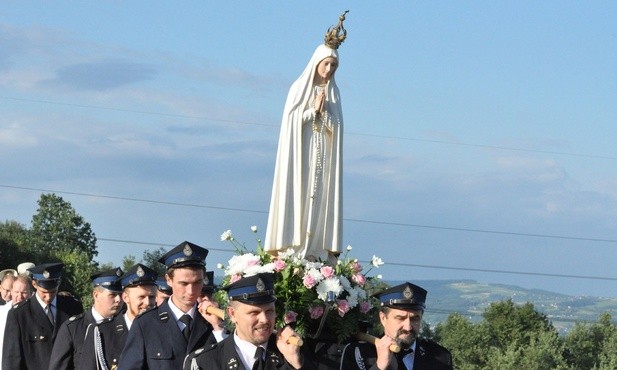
[[479, 136]]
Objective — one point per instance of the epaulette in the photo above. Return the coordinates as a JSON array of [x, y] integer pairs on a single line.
[[76, 317], [21, 304]]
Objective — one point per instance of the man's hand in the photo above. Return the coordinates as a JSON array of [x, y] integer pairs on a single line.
[[290, 351], [215, 321]]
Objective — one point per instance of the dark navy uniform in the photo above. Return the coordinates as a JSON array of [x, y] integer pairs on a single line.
[[223, 355], [155, 340], [109, 337], [253, 290], [69, 344], [29, 333], [426, 355]]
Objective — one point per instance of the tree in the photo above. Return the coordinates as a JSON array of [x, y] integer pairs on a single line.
[[13, 245], [60, 234], [151, 259], [592, 346], [57, 227]]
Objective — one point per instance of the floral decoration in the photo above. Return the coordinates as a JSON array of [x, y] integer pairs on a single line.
[[324, 297]]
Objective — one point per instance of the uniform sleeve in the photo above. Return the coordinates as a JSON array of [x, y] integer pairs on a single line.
[[12, 356], [134, 354], [62, 351]]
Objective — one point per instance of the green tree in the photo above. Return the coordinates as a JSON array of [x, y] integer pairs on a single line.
[[58, 227], [592, 346], [151, 259], [13, 245], [128, 262], [60, 234], [467, 341]]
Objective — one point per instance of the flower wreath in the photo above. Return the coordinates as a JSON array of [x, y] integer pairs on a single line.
[[317, 298]]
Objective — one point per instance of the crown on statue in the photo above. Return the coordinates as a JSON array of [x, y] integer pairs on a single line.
[[336, 34]]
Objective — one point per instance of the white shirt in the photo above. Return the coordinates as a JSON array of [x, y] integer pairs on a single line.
[[178, 313], [54, 305], [246, 350]]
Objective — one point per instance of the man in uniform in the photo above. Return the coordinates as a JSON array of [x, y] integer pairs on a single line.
[[70, 341], [161, 338], [163, 290], [401, 313], [32, 325], [139, 292], [253, 344], [21, 290], [6, 283]]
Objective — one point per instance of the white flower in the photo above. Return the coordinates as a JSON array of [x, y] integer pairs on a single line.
[[349, 247], [220, 266], [376, 261], [254, 229], [240, 263], [328, 285], [315, 274], [286, 254], [345, 282], [227, 235], [259, 269]]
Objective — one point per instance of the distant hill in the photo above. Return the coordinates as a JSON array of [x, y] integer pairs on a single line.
[[470, 298]]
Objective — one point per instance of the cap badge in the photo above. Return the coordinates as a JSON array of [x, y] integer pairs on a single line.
[[46, 274], [260, 286], [187, 251], [140, 271], [206, 281], [118, 272], [407, 293]]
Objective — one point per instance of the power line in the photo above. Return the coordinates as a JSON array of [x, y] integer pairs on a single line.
[[462, 229], [204, 118], [493, 271]]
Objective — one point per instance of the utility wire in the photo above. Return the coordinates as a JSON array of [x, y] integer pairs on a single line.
[[374, 222], [510, 272]]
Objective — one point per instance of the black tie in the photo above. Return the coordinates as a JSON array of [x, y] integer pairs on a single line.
[[399, 357], [186, 319], [50, 315], [260, 363]]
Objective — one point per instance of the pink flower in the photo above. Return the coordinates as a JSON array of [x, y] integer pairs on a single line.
[[279, 265], [356, 266], [316, 312], [327, 271], [343, 307], [308, 281], [290, 317], [365, 307], [234, 278], [252, 263], [359, 279]]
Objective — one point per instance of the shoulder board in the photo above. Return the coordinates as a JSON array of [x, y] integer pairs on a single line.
[[21, 304], [76, 317]]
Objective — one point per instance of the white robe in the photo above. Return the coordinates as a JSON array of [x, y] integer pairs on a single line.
[[307, 204]]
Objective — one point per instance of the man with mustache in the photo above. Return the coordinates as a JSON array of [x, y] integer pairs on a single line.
[[253, 345], [401, 313]]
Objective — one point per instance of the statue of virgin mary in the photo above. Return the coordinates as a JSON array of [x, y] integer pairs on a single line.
[[307, 202]]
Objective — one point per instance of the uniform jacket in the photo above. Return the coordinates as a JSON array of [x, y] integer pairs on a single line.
[[223, 355], [113, 333], [70, 340], [29, 336], [427, 356], [155, 342]]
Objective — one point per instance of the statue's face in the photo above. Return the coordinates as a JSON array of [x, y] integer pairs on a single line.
[[325, 69]]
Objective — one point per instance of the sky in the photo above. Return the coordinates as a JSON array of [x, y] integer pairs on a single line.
[[479, 136]]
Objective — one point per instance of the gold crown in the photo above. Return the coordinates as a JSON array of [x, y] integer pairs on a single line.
[[336, 34]]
